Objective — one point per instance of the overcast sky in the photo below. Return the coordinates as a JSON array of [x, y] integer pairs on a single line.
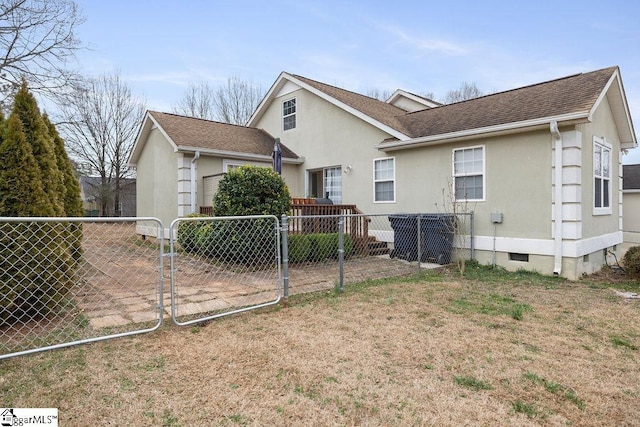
[[161, 46]]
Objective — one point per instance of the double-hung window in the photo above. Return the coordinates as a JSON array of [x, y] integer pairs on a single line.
[[289, 114], [468, 173], [384, 180], [601, 176]]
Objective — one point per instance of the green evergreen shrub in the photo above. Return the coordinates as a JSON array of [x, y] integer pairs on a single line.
[[631, 262], [325, 246], [36, 266], [247, 190], [188, 232], [299, 248], [37, 135], [252, 190]]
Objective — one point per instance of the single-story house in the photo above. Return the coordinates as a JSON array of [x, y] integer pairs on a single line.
[[540, 165], [631, 197]]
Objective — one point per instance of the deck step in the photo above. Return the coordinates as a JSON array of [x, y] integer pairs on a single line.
[[377, 248]]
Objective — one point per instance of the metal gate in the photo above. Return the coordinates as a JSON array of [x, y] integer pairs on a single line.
[[223, 265], [67, 281]]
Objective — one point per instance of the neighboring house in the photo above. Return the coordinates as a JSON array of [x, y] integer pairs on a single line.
[[631, 197], [98, 199], [501, 153], [180, 160]]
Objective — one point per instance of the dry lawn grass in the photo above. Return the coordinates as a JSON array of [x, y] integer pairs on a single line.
[[435, 350]]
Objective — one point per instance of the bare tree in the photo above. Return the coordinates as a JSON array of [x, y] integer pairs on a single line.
[[465, 92], [236, 101], [380, 95], [37, 43], [233, 102], [197, 101], [100, 121]]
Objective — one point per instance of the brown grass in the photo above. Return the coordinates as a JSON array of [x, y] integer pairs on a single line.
[[437, 350]]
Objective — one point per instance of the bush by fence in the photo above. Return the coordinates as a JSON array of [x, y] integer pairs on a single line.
[[631, 261], [317, 247]]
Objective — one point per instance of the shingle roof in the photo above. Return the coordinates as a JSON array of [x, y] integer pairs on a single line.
[[381, 111], [631, 177], [199, 133], [572, 94], [569, 95]]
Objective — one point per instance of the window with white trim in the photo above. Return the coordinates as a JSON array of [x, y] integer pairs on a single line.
[[384, 180], [468, 173], [289, 114], [601, 176]]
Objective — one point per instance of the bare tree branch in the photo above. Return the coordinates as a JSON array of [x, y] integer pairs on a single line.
[[197, 101], [465, 92], [37, 43], [233, 102], [99, 122]]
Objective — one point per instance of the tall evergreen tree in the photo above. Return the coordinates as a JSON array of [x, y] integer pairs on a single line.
[[71, 199], [36, 132], [21, 192], [35, 262]]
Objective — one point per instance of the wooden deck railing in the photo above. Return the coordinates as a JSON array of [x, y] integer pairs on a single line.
[[308, 217]]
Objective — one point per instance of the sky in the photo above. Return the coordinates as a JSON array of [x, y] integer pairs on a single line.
[[160, 47]]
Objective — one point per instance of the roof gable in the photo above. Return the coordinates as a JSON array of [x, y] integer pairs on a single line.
[[402, 99], [373, 111], [188, 134]]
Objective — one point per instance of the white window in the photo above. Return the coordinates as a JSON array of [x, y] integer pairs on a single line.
[[289, 114], [601, 176], [384, 180], [468, 173]]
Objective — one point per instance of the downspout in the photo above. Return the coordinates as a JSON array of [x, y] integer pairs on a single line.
[[193, 181], [557, 214]]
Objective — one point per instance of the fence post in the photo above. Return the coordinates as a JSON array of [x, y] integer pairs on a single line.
[[341, 250], [285, 258], [419, 240], [472, 239]]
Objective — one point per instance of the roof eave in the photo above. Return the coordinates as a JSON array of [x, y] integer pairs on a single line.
[[147, 126], [503, 129], [621, 113], [237, 155]]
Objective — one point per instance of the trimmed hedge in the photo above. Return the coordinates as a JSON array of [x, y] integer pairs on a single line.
[[188, 232], [317, 247], [244, 241], [631, 261]]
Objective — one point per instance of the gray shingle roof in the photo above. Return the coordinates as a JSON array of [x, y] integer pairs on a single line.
[[573, 94], [631, 177], [206, 134]]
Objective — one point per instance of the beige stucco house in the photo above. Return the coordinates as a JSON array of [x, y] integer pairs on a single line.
[[546, 157], [179, 161]]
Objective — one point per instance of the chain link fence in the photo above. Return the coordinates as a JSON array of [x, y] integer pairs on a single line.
[[76, 280], [329, 251], [223, 265]]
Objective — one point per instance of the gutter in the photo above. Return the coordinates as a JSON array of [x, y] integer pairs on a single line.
[[557, 213], [483, 132], [193, 180], [237, 155]]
